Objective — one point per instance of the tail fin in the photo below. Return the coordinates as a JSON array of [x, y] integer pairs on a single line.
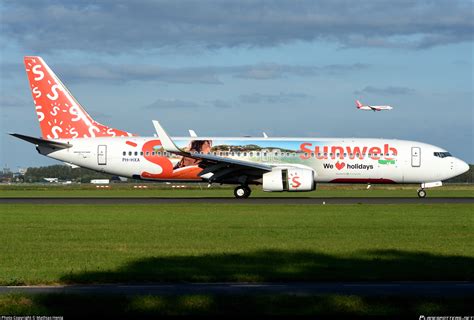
[[59, 114], [358, 104]]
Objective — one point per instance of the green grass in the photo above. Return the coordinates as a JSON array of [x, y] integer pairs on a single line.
[[139, 306], [193, 190], [44, 244]]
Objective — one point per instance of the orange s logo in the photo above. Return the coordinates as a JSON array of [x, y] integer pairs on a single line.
[[294, 182]]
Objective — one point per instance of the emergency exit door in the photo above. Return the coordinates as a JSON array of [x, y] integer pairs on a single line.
[[102, 155], [415, 156]]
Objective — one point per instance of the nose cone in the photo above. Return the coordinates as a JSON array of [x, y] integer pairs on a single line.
[[460, 166]]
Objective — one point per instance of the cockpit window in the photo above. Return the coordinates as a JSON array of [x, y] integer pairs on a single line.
[[442, 154]]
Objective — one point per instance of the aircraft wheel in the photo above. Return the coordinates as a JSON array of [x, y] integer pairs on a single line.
[[421, 193], [242, 192]]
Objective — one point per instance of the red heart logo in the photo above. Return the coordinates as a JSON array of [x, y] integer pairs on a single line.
[[340, 165]]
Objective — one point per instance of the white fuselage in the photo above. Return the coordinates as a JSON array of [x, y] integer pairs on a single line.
[[336, 160]]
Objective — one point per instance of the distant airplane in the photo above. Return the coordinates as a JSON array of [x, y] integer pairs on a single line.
[[360, 106], [71, 135]]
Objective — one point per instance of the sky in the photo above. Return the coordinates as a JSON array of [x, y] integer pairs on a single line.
[[233, 68]]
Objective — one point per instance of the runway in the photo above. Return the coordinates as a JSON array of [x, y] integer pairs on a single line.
[[444, 289], [254, 201]]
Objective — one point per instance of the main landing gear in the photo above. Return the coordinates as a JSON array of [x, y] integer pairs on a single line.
[[421, 193], [242, 192]]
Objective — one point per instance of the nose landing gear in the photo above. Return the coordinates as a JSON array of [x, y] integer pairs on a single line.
[[426, 185], [242, 192]]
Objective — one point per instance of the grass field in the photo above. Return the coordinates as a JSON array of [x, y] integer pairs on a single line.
[[68, 244], [216, 242], [194, 190], [82, 306]]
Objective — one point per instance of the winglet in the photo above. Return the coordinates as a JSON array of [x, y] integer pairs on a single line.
[[166, 141], [265, 135], [192, 133]]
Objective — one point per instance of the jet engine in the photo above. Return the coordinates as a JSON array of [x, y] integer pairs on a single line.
[[289, 179]]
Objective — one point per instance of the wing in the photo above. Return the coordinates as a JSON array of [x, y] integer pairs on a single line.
[[374, 108], [215, 168]]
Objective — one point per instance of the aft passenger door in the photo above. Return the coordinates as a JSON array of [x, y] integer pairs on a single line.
[[102, 155], [415, 157]]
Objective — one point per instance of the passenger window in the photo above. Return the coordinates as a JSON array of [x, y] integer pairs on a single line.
[[141, 153], [125, 153], [153, 153], [136, 153], [148, 153], [130, 153]]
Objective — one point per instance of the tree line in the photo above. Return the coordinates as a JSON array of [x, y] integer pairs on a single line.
[[63, 173]]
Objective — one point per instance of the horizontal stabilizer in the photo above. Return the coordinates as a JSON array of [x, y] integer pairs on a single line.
[[42, 142]]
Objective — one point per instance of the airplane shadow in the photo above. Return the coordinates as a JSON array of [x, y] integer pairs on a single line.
[[287, 266]]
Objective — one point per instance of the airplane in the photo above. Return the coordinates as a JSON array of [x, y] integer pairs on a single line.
[[69, 134], [360, 106]]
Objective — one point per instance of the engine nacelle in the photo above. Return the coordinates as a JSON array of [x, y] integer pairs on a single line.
[[289, 179]]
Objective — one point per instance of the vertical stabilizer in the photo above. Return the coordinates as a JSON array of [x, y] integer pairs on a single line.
[[59, 113]]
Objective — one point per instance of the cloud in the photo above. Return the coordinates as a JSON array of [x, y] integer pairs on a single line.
[[172, 104], [116, 26], [256, 98], [185, 75], [14, 102], [266, 71], [220, 104], [183, 104], [385, 91]]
